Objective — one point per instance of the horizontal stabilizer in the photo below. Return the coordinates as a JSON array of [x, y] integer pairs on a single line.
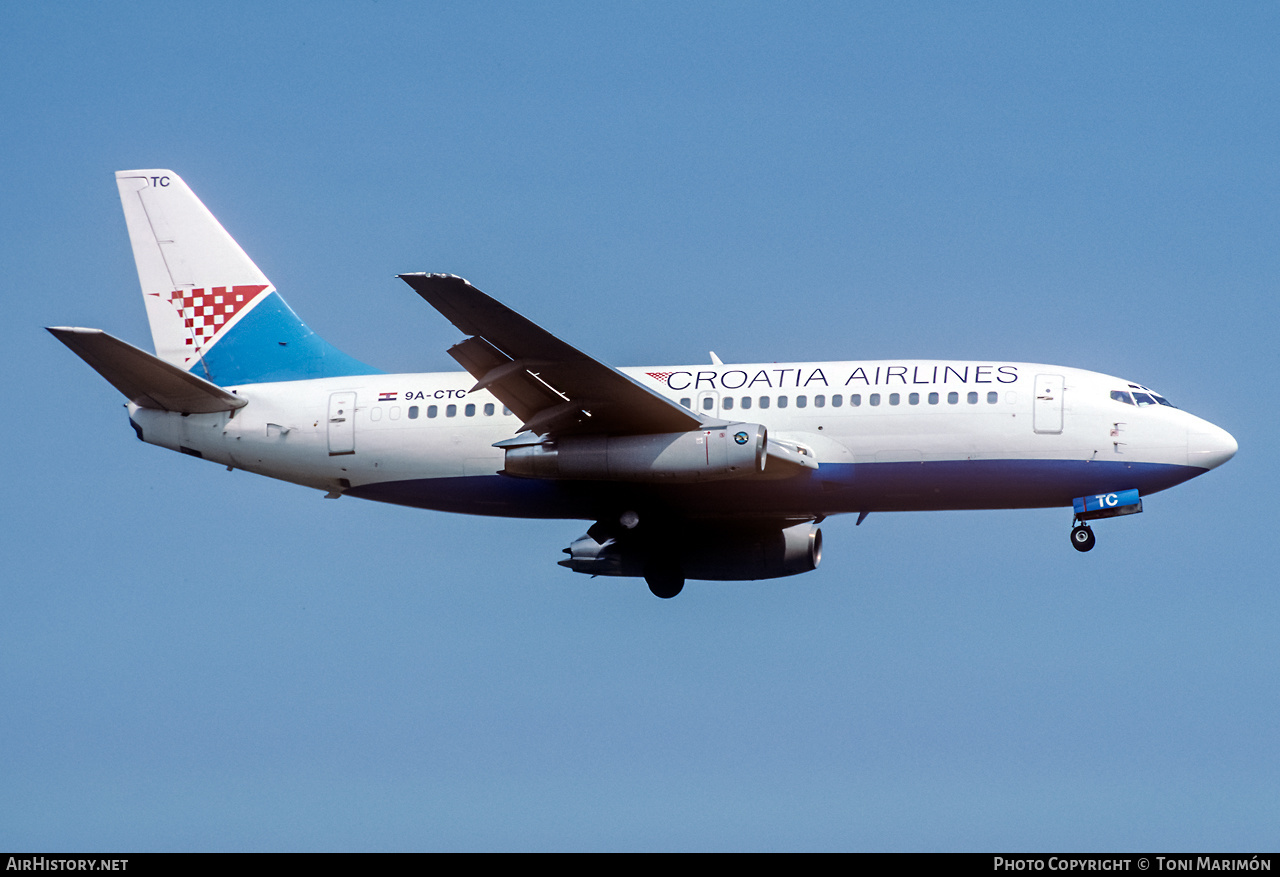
[[146, 380]]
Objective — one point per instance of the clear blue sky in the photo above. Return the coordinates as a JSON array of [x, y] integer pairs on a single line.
[[192, 659]]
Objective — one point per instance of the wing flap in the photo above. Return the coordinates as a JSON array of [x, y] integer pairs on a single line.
[[145, 380], [508, 379]]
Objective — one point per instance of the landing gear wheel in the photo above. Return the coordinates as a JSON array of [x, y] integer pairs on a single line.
[[665, 582], [1082, 538]]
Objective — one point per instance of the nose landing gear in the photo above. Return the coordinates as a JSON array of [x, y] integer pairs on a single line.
[[1100, 505], [1082, 538]]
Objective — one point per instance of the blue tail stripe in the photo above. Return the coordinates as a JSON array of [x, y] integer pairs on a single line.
[[272, 344]]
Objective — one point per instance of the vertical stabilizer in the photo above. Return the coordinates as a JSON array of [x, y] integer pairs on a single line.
[[211, 310]]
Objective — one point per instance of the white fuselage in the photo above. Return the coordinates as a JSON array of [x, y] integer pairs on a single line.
[[886, 436]]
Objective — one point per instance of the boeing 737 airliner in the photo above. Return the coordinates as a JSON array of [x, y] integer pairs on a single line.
[[720, 471]]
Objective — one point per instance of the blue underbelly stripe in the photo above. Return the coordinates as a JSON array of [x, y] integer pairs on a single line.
[[834, 489]]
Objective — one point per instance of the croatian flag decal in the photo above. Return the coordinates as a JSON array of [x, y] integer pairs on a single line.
[[387, 397]]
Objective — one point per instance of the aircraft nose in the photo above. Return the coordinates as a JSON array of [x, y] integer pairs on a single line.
[[1209, 446]]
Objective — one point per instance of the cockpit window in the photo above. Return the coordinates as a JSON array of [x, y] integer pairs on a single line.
[[1141, 396], [1148, 396]]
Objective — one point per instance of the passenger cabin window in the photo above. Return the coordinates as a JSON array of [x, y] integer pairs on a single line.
[[874, 398], [819, 401], [708, 403], [413, 412], [471, 410], [953, 398], [727, 403], [855, 399], [782, 401], [993, 397], [488, 409], [746, 402], [914, 398], [432, 410], [451, 411], [802, 401], [837, 400], [933, 398], [687, 403], [973, 398], [895, 398], [764, 401]]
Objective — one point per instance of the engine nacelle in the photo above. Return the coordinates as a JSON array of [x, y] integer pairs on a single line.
[[700, 455], [713, 555]]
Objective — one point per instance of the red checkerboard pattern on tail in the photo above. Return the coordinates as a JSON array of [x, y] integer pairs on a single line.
[[660, 377], [206, 312]]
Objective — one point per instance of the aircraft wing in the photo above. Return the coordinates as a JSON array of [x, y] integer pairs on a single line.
[[551, 386]]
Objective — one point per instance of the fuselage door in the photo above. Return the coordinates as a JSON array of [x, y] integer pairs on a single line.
[[342, 423], [1046, 412]]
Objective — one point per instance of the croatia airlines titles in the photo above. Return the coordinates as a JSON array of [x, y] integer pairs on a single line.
[[861, 375]]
